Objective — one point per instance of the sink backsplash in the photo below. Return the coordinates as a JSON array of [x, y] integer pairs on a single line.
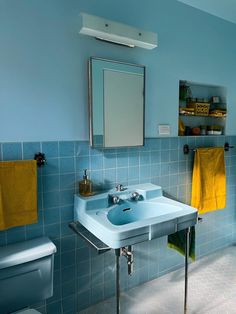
[[82, 277]]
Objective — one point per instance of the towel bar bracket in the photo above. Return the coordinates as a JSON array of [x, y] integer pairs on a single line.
[[227, 146], [40, 158]]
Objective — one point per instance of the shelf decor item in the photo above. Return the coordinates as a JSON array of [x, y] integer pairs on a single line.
[[200, 108], [184, 92]]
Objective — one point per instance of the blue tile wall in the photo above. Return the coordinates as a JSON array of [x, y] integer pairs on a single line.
[[81, 277]]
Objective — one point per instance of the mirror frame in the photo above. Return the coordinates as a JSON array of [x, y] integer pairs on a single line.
[[90, 99]]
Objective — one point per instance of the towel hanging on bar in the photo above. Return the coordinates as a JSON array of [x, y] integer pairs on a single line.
[[18, 193], [209, 180]]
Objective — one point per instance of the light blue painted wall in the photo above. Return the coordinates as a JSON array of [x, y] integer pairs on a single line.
[[43, 62]]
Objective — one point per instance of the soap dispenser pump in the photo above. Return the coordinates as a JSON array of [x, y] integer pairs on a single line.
[[85, 185]]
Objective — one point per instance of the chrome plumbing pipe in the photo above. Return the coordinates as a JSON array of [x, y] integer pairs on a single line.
[[117, 252], [187, 244]]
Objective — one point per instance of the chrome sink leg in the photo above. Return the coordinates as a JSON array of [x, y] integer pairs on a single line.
[[186, 269], [117, 252]]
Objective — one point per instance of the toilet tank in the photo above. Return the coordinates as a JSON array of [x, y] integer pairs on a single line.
[[26, 273]]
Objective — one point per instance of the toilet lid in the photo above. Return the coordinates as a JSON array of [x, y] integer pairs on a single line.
[[28, 311]]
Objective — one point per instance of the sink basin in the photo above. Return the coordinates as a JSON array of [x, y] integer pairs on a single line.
[[130, 222], [129, 212]]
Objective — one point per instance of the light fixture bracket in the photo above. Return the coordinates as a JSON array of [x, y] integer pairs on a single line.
[[117, 33]]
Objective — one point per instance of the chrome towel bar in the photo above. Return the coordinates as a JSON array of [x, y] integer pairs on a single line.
[[186, 148]]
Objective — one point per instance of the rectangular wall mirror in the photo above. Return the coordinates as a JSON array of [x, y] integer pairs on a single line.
[[116, 100]]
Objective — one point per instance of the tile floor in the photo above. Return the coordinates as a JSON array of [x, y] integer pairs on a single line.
[[212, 290]]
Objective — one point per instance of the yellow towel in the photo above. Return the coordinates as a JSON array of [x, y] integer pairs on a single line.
[[209, 181], [18, 193]]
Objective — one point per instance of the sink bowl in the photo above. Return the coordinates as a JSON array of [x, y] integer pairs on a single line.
[[130, 222], [129, 212]]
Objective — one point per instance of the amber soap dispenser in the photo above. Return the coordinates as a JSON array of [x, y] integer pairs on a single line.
[[85, 185]]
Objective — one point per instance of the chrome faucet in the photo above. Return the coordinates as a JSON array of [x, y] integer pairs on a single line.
[[135, 196], [120, 188], [114, 199]]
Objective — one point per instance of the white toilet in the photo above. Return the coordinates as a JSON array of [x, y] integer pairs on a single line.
[[26, 275]]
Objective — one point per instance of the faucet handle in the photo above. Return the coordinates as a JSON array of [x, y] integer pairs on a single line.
[[120, 187], [135, 196], [114, 199]]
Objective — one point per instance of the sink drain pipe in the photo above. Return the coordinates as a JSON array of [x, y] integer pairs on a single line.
[[187, 245], [128, 254], [117, 252]]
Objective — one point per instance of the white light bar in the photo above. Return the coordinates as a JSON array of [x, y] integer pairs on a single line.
[[117, 33]]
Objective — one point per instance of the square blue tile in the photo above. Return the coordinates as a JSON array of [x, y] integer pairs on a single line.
[[122, 160], [97, 177], [68, 243], [174, 143], [82, 163], [97, 293], [51, 216], [133, 159], [50, 183], [68, 259], [65, 230], [34, 233], [30, 149], [84, 283], [165, 143], [16, 234], [82, 148], [174, 155], [51, 166], [109, 161], [54, 308], [133, 173], [67, 181], [52, 231], [174, 167], [145, 173], [122, 175], [155, 144], [67, 165], [69, 304], [144, 158], [12, 151], [165, 155], [109, 177], [155, 157], [84, 300], [3, 238], [51, 199], [84, 268], [156, 170], [182, 166], [96, 162], [50, 149], [165, 169], [66, 197], [67, 149]]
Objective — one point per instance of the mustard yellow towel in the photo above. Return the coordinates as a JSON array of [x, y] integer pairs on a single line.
[[18, 193], [209, 181]]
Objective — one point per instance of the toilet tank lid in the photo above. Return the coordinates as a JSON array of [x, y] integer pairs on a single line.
[[23, 252]]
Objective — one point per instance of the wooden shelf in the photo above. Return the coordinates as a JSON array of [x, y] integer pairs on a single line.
[[193, 115]]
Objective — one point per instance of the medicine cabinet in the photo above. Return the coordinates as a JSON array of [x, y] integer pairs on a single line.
[[116, 103], [202, 109]]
